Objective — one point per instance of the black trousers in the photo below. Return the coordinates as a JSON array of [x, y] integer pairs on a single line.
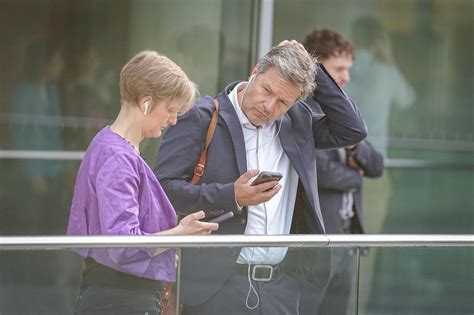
[[108, 291], [278, 296], [100, 299], [333, 298]]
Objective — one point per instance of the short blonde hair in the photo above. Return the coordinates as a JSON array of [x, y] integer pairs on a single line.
[[150, 74]]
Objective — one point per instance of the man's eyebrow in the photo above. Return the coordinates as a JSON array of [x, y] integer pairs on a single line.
[[270, 90], [286, 102]]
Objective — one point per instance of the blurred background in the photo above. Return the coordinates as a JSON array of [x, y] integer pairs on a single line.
[[59, 68]]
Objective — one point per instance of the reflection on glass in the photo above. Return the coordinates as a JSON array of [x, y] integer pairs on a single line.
[[36, 105], [376, 83], [414, 281], [64, 107], [420, 281]]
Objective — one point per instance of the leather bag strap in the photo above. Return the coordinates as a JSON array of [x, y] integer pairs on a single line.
[[168, 303], [201, 165], [166, 299]]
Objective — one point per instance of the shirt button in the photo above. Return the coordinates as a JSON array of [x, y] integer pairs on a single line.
[[243, 221]]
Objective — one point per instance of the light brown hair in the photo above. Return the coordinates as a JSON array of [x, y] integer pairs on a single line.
[[150, 74]]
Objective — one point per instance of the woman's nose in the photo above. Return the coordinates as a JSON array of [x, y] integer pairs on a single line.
[[173, 119]]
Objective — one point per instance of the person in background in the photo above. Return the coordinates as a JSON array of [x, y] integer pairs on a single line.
[[378, 86], [261, 125], [87, 92], [340, 174], [116, 193], [35, 108]]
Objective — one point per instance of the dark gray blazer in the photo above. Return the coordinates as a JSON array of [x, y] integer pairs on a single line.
[[205, 270], [335, 178]]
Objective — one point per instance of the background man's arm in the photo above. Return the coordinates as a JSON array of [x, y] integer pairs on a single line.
[[368, 159], [336, 175]]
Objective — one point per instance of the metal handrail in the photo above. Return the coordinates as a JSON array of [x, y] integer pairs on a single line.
[[42, 155], [338, 240]]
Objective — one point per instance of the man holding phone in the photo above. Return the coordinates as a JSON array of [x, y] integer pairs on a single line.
[[265, 177], [263, 124]]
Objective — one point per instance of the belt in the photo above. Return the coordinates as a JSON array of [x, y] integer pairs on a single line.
[[258, 272]]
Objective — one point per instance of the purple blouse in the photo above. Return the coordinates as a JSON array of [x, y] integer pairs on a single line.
[[116, 193]]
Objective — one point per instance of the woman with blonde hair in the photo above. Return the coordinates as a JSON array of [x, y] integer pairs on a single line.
[[116, 193]]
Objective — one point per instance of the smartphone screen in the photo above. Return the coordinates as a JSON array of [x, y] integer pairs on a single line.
[[266, 176]]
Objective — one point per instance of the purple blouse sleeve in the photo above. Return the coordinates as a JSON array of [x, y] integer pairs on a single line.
[[117, 187]]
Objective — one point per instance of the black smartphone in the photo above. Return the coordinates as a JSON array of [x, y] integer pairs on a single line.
[[222, 217], [265, 176]]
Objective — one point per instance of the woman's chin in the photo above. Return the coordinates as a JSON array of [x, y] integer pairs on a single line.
[[155, 134]]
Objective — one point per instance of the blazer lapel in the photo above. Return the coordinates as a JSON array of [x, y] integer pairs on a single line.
[[292, 151], [228, 114], [298, 162]]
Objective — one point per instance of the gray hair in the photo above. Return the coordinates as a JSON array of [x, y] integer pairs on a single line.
[[294, 64]]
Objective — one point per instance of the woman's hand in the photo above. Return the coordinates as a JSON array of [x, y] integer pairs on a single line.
[[191, 225]]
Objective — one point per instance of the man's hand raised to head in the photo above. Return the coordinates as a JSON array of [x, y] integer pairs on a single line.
[[248, 195]]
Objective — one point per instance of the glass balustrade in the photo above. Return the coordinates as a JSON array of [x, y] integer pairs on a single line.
[[367, 274]]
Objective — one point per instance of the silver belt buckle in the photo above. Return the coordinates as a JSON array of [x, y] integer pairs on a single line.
[[255, 277]]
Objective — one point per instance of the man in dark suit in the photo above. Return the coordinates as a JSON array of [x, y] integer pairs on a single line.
[[263, 124], [340, 174]]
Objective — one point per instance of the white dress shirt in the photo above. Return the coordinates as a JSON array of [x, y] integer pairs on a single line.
[[264, 152]]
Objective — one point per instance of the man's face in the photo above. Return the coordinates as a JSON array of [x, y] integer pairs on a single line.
[[267, 97], [338, 67]]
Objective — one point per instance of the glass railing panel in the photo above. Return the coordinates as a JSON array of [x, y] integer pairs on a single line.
[[51, 280], [391, 277], [417, 280], [39, 282], [323, 291]]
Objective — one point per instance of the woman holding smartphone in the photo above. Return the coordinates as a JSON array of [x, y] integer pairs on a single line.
[[116, 193]]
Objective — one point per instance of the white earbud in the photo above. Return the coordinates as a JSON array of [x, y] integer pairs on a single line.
[[147, 104], [251, 77]]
